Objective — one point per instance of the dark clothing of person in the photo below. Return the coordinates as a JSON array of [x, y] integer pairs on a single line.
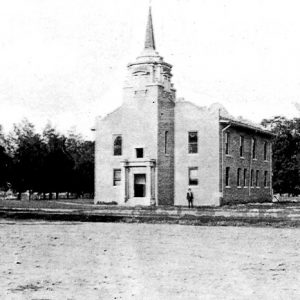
[[190, 198]]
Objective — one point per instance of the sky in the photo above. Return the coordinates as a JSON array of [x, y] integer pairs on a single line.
[[64, 61]]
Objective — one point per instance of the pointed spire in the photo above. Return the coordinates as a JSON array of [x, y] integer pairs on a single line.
[[149, 41]]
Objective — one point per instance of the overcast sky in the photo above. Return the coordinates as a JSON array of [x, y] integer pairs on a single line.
[[65, 60]]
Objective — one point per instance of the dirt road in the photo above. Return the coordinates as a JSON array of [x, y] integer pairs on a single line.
[[60, 260]]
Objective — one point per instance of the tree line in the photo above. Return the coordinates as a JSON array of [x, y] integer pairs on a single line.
[[46, 163]]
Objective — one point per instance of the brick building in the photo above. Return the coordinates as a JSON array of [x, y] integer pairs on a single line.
[[154, 147]]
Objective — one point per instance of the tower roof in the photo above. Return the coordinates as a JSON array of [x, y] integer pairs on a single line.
[[149, 41], [149, 54]]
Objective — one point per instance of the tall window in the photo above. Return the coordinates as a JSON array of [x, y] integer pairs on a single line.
[[253, 147], [227, 179], [245, 177], [166, 142], [251, 178], [238, 177], [118, 145], [193, 142], [265, 150], [227, 142], [266, 179], [117, 177], [193, 176], [257, 179], [241, 146]]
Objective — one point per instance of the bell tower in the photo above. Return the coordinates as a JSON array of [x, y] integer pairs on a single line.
[[149, 96], [149, 67]]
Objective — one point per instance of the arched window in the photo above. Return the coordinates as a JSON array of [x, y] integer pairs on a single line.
[[118, 145]]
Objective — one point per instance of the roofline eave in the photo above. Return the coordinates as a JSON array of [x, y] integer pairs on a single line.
[[247, 126]]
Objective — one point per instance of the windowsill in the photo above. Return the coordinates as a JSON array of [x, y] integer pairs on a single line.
[[242, 157], [266, 187], [227, 186], [193, 153], [228, 155], [245, 186], [167, 154], [266, 161], [254, 158], [252, 187], [239, 187], [258, 187]]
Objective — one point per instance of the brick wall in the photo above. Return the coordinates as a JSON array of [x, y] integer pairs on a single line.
[[165, 159], [244, 193]]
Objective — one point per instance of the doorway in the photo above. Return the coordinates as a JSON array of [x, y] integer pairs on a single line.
[[139, 185]]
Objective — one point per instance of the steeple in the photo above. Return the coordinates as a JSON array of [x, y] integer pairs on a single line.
[[149, 41], [149, 68]]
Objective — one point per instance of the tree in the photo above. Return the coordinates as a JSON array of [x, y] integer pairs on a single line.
[[58, 163], [82, 153], [286, 154], [5, 162], [27, 150]]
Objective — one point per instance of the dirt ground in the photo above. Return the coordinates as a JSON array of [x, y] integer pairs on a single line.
[[60, 260], [61, 203]]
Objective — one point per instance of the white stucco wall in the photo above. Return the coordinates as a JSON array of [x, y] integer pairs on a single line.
[[136, 121], [189, 117]]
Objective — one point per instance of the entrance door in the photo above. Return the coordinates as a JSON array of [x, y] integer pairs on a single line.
[[139, 185]]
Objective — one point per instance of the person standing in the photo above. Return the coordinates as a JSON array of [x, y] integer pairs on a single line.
[[190, 198]]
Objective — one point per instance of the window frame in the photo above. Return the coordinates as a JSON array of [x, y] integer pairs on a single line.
[[266, 179], [265, 151], [227, 143], [115, 178], [238, 178], [242, 142], [117, 148], [245, 177], [251, 178], [137, 152], [192, 143], [190, 179], [227, 177], [257, 179], [166, 142], [254, 146]]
